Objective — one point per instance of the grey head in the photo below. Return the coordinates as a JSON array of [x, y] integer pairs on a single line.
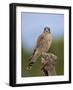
[[47, 29]]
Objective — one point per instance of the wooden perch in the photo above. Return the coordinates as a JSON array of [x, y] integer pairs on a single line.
[[48, 60]]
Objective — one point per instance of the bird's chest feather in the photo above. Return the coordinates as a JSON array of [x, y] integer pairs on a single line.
[[47, 42], [47, 39]]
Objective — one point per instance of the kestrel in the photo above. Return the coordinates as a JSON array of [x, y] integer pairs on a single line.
[[42, 45]]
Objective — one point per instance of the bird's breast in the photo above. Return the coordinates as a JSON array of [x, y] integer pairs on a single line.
[[46, 43], [48, 39]]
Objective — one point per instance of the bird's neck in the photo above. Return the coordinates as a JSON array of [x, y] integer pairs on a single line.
[[46, 33]]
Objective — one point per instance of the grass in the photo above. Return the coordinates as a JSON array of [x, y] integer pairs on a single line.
[[57, 48]]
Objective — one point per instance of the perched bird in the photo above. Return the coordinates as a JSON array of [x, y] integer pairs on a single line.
[[42, 45]]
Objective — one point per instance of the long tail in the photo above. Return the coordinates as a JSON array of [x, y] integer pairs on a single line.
[[33, 54], [32, 59]]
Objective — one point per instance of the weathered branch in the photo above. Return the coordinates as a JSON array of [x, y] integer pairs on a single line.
[[48, 60]]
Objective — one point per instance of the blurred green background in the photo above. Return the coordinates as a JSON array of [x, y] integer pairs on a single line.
[[57, 48], [32, 25]]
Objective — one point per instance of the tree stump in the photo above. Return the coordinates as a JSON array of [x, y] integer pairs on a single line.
[[48, 61]]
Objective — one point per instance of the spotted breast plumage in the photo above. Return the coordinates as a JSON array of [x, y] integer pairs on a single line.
[[42, 45]]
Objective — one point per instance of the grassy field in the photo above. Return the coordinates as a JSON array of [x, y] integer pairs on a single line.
[[57, 48]]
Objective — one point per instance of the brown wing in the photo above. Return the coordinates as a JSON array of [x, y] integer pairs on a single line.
[[39, 40]]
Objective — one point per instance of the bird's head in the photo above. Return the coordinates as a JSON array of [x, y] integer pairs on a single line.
[[47, 29]]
